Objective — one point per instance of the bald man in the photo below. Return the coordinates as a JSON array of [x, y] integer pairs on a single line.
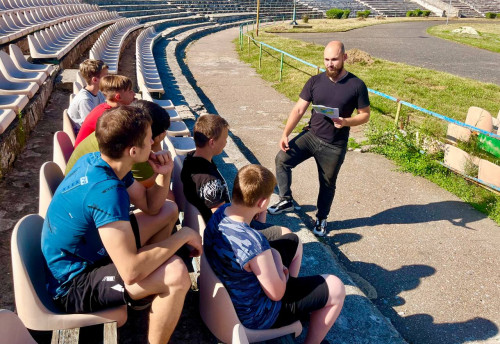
[[324, 138]]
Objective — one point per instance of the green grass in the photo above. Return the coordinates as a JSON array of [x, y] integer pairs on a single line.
[[488, 38], [437, 91]]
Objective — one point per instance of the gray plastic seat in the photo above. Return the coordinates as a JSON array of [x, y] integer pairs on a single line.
[[12, 73], [9, 87], [14, 102], [22, 64], [6, 118]]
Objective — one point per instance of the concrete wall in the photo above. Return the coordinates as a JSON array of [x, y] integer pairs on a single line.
[[438, 6]]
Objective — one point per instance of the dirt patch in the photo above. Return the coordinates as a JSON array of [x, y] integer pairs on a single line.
[[356, 56]]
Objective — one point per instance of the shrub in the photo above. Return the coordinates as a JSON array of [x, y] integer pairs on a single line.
[[410, 14], [334, 13], [418, 12], [346, 14], [305, 18], [490, 15], [363, 14], [498, 15], [426, 13]]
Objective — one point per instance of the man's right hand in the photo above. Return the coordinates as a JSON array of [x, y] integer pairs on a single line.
[[284, 143], [193, 240]]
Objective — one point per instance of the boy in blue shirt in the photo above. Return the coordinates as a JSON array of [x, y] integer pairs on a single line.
[[261, 276], [100, 256]]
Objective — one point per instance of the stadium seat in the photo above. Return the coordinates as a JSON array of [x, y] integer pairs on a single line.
[[489, 173], [8, 87], [12, 73], [63, 148], [179, 145], [177, 187], [6, 118], [164, 103], [34, 305], [178, 128], [13, 102], [193, 218], [68, 126], [22, 64], [76, 87], [12, 329], [217, 312], [50, 178], [80, 79]]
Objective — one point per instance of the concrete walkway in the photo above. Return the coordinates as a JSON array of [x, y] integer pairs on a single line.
[[410, 43], [428, 261]]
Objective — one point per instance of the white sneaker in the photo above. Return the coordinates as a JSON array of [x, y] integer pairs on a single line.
[[320, 227]]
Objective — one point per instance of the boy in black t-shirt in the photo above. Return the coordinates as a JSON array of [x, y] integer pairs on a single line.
[[204, 186]]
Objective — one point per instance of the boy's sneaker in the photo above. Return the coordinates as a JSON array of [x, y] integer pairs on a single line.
[[281, 206], [320, 227]]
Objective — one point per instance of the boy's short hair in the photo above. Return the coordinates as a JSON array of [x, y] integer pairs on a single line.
[[120, 128], [160, 117], [91, 68], [208, 127], [253, 182], [110, 84]]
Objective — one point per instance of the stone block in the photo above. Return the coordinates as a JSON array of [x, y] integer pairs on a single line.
[[459, 160], [489, 172]]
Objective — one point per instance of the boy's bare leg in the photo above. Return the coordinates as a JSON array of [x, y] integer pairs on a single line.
[[294, 267], [171, 283], [323, 319], [155, 228]]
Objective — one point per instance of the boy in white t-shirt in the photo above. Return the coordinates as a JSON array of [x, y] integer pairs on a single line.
[[89, 96]]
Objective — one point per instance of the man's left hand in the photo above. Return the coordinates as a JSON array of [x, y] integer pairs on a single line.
[[339, 122], [161, 162]]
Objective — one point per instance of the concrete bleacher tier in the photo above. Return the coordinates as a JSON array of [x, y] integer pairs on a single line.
[[465, 10], [483, 6], [392, 8], [325, 5]]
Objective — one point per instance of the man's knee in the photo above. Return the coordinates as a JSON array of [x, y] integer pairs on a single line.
[[176, 275], [336, 289], [280, 158], [170, 210]]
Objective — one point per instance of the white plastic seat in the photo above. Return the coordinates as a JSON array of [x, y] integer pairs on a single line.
[[9, 87], [13, 101], [12, 329], [62, 149], [12, 73], [179, 145], [33, 303], [174, 116], [50, 178], [6, 118], [217, 312], [22, 64], [68, 126], [178, 128]]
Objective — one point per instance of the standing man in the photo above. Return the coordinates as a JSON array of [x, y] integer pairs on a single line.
[[324, 139]]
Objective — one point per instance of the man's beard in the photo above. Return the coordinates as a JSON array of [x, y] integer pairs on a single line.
[[335, 72]]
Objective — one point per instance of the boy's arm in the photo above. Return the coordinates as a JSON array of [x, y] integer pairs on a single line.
[[271, 273], [134, 265], [150, 200]]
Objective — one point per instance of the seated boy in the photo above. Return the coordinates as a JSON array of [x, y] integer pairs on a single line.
[[89, 96], [204, 186], [142, 172], [98, 255], [261, 275], [118, 91]]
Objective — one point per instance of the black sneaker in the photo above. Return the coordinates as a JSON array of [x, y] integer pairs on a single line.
[[320, 227], [281, 206]]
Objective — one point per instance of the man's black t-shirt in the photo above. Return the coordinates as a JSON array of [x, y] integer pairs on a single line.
[[204, 186], [347, 94]]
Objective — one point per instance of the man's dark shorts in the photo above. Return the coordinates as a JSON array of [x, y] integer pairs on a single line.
[[100, 287]]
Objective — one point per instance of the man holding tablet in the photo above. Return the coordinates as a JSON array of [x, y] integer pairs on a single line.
[[326, 136]]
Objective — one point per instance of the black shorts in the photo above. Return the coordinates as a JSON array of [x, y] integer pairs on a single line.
[[285, 244], [303, 295], [100, 286]]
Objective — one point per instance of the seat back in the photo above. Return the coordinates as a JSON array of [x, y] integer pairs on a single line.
[[12, 329], [193, 218], [50, 178], [68, 126], [33, 303], [63, 148], [80, 79], [177, 187]]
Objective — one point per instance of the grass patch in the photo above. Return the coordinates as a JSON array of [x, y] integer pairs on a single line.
[[437, 91], [488, 38]]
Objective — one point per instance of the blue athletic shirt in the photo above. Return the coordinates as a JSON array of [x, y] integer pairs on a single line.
[[90, 197], [228, 246]]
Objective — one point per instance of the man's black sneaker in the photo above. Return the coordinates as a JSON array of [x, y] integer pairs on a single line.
[[280, 207], [320, 227]]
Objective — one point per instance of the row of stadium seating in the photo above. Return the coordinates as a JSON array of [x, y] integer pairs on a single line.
[[14, 5]]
